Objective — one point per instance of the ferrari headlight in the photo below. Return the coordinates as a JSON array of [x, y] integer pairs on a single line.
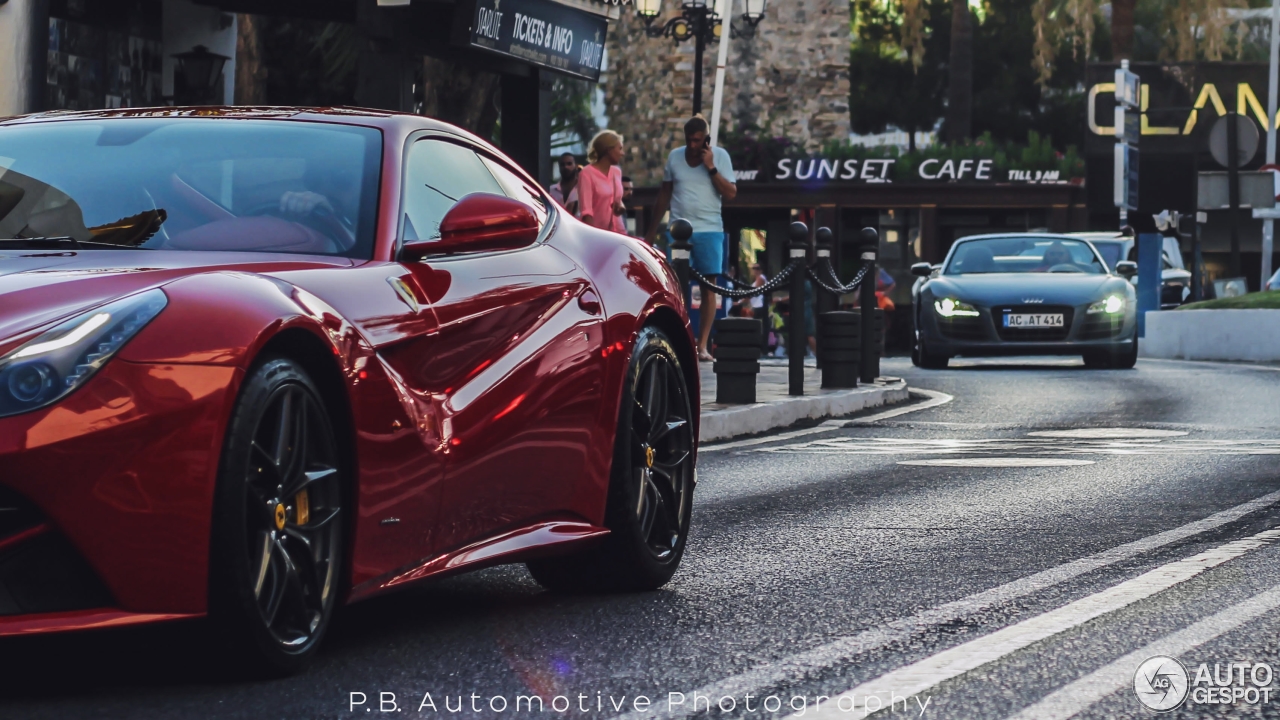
[[1111, 305], [54, 364], [949, 307]]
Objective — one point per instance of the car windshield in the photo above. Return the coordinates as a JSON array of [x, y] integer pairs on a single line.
[[1027, 254], [1110, 251], [193, 184]]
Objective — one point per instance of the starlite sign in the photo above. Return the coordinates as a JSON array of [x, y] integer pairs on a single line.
[[541, 32]]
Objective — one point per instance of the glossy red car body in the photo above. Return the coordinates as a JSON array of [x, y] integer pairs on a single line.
[[479, 418]]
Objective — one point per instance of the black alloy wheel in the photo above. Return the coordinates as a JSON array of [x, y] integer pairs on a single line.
[[651, 484], [278, 532], [661, 451]]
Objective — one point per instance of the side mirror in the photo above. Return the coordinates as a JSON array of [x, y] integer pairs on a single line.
[[1127, 268], [923, 269], [479, 222]]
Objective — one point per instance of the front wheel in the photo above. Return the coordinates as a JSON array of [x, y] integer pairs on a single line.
[[278, 531], [651, 484], [928, 360], [1119, 359]]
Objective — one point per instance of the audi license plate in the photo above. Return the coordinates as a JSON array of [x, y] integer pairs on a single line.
[[1033, 320]]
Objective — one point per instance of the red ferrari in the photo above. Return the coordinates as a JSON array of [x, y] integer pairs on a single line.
[[256, 363]]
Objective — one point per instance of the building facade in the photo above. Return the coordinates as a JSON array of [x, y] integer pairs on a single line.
[[790, 78]]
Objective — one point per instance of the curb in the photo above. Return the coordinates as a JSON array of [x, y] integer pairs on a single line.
[[722, 422], [1243, 334]]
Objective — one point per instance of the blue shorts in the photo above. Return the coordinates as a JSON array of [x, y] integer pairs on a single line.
[[707, 256]]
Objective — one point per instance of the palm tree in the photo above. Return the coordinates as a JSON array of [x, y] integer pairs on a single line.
[[960, 86], [1122, 29]]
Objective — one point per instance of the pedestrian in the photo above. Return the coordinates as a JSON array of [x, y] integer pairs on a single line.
[[628, 217], [600, 184], [565, 192], [696, 180]]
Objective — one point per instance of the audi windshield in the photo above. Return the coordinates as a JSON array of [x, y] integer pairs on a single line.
[[1030, 254]]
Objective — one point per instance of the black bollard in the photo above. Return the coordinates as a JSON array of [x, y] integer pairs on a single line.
[[797, 341], [737, 353], [838, 341], [868, 247], [681, 231], [826, 302]]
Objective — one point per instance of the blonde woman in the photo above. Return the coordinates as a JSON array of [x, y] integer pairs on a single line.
[[600, 184]]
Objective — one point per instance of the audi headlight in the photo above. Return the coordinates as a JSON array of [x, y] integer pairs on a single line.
[[54, 364], [1110, 305], [950, 307]]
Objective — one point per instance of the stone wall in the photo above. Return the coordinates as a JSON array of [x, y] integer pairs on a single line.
[[791, 77]]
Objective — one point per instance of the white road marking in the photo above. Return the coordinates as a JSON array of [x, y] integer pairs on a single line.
[[997, 462], [1027, 445], [1069, 700], [919, 677], [935, 399], [795, 668], [1104, 433]]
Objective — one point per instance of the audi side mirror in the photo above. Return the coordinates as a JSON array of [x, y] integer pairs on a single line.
[[923, 269], [479, 222], [1127, 268]]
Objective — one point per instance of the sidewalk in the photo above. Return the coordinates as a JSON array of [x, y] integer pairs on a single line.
[[776, 409]]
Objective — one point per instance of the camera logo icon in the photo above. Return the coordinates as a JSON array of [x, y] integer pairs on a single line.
[[1161, 683]]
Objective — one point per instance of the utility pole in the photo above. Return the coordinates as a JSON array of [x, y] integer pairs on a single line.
[[1268, 226]]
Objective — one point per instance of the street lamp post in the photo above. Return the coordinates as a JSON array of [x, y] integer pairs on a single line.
[[697, 21]]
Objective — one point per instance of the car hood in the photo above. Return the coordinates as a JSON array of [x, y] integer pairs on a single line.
[[43, 287], [1021, 288]]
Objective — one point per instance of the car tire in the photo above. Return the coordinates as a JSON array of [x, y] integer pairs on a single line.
[[650, 494], [1116, 359], [1125, 359], [928, 360], [278, 535]]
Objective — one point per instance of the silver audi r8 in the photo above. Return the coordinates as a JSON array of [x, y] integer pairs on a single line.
[[1025, 294]]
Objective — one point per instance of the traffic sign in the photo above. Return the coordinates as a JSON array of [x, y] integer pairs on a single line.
[[1128, 128], [1127, 87], [1246, 140], [1125, 192]]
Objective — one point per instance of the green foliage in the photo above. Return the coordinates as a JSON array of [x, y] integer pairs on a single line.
[[309, 62], [571, 119], [885, 91], [752, 146], [1269, 300]]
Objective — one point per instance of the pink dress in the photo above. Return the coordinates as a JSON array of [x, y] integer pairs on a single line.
[[597, 195]]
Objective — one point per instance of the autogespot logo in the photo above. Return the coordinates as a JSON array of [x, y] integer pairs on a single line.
[[1161, 683]]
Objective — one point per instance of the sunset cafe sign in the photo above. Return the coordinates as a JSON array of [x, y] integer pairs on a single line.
[[817, 170], [1178, 103]]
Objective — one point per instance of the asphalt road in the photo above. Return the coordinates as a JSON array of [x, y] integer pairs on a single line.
[[1034, 582]]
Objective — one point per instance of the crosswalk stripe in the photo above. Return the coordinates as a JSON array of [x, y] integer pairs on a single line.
[[1069, 700], [798, 666], [934, 400], [928, 673]]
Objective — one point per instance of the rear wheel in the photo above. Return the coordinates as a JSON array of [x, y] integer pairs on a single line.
[[278, 531], [651, 483]]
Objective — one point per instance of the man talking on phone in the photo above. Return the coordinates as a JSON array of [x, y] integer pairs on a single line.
[[696, 180]]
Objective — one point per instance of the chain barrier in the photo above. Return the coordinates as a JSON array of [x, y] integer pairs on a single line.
[[837, 289], [768, 287]]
